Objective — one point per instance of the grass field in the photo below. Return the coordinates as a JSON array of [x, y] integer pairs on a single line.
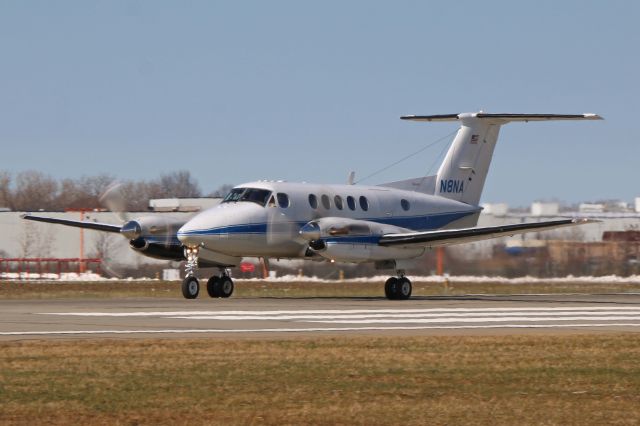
[[485, 380], [562, 379], [110, 289]]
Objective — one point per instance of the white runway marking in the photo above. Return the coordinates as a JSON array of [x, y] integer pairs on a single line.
[[333, 311], [316, 318], [484, 319], [337, 320], [305, 330]]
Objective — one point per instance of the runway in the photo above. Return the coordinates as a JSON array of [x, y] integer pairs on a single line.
[[278, 317]]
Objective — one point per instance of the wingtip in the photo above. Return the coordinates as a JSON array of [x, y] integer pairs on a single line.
[[591, 116], [585, 221]]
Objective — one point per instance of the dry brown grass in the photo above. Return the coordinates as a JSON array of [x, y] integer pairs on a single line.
[[116, 289], [486, 380]]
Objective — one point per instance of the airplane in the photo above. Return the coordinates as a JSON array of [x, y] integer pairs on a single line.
[[390, 224]]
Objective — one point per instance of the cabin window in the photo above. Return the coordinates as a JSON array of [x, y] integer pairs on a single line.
[[364, 203], [313, 201], [337, 200], [326, 202], [283, 200], [405, 204], [351, 202]]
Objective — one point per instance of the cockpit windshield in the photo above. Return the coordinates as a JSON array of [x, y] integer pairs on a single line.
[[254, 195]]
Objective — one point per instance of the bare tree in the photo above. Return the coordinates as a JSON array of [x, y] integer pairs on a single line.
[[103, 245], [179, 184], [136, 195], [6, 196], [37, 240], [35, 190], [84, 192], [222, 190]]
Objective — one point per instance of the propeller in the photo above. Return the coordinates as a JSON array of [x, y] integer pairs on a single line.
[[160, 226], [280, 227], [114, 200]]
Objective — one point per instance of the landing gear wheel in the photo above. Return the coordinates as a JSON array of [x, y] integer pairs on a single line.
[[398, 288], [213, 286], [190, 287], [226, 287], [390, 288], [404, 289]]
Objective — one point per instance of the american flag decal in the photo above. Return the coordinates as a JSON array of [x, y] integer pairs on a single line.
[[474, 138]]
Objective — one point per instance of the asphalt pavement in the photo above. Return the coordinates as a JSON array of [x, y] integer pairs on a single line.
[[313, 316]]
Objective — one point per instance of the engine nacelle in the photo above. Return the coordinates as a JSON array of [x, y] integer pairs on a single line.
[[352, 240], [366, 252], [151, 226], [157, 250]]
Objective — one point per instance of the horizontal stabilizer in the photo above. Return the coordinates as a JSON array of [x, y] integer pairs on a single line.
[[467, 235], [502, 117], [76, 223]]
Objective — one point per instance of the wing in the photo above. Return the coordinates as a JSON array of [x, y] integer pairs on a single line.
[[457, 236], [76, 223]]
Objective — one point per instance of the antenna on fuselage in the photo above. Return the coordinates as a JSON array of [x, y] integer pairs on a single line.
[[351, 178]]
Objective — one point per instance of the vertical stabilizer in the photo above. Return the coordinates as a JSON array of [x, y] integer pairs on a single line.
[[464, 169]]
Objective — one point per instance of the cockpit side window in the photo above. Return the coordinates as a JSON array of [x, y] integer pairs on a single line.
[[258, 196], [283, 200]]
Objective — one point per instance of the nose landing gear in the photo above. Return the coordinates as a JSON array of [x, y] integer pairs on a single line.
[[398, 288], [190, 284], [217, 286]]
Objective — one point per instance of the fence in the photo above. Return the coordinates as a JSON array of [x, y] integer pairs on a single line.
[[24, 268]]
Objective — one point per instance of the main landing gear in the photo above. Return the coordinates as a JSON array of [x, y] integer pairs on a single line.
[[217, 286], [398, 288]]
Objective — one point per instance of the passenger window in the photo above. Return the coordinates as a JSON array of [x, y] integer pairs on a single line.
[[283, 200], [337, 200], [326, 203], [351, 202], [405, 204], [364, 203], [313, 201]]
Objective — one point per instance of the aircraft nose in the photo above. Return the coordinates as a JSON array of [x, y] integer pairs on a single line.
[[188, 235]]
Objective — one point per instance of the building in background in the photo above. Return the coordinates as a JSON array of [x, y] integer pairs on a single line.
[[533, 253]]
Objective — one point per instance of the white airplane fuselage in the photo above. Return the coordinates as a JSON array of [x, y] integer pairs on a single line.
[[389, 225], [270, 226]]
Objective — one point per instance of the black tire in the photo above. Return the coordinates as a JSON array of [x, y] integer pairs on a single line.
[[190, 288], [226, 287], [390, 288], [404, 289], [213, 286]]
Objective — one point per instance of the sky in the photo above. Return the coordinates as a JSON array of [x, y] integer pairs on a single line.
[[307, 91]]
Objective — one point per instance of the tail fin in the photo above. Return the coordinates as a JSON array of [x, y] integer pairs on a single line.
[[464, 169]]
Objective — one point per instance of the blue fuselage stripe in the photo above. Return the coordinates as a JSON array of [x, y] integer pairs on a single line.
[[416, 223]]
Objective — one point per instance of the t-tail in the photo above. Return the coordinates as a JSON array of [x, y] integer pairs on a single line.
[[464, 169]]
